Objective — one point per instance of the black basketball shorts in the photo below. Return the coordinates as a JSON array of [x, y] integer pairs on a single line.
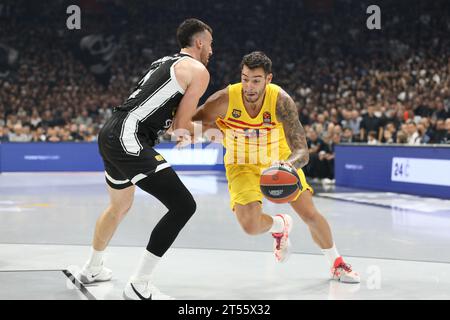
[[123, 169]]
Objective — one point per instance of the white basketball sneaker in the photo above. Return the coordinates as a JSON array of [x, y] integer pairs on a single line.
[[90, 274], [281, 242], [343, 272], [143, 291]]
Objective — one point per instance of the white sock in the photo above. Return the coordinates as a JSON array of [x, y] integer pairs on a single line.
[[278, 224], [331, 254], [96, 258], [145, 268]]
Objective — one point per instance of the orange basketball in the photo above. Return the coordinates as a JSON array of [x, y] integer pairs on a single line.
[[280, 183]]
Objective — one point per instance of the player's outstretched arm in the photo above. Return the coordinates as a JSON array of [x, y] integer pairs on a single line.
[[287, 114], [214, 107]]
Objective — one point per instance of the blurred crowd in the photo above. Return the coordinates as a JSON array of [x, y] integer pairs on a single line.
[[351, 84]]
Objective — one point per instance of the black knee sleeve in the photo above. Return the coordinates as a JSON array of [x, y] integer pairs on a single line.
[[168, 188], [185, 205]]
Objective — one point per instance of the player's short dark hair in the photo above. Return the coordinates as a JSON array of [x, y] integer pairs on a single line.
[[257, 59], [187, 29]]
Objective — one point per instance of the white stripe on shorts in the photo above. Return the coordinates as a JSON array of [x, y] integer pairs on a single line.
[[114, 180], [162, 167], [138, 178]]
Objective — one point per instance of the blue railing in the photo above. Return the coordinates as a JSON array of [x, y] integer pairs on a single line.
[[406, 169], [71, 156], [421, 170]]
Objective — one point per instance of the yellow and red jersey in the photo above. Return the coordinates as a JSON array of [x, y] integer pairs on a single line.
[[259, 140]]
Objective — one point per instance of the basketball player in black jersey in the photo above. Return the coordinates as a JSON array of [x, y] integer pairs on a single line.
[[167, 96]]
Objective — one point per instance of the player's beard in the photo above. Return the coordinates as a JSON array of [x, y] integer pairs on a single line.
[[205, 59], [253, 98]]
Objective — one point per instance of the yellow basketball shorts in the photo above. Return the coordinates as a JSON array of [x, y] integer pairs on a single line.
[[243, 183]]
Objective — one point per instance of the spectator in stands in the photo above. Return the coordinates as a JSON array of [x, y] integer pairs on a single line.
[[402, 137], [369, 123], [351, 120], [4, 136], [347, 136], [442, 112], [412, 132], [65, 135], [372, 138], [389, 133], [388, 137], [424, 138], [428, 128], [19, 134], [53, 134], [74, 134], [38, 135], [328, 159], [447, 126], [315, 146], [332, 81], [35, 120], [440, 134], [84, 118]]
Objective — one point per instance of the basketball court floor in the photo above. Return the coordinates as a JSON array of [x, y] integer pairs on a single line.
[[399, 244]]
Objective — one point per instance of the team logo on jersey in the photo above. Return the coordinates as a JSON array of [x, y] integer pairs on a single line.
[[159, 157], [267, 118], [236, 113]]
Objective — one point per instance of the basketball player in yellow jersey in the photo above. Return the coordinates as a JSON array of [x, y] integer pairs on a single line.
[[260, 126]]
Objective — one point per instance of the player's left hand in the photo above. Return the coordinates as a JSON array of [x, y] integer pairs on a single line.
[[282, 162]]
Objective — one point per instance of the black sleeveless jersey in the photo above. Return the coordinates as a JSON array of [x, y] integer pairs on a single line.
[[152, 106]]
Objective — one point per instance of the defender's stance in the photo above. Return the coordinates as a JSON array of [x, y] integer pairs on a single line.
[[168, 93], [260, 126]]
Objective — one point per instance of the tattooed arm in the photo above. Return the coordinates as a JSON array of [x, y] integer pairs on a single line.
[[287, 114]]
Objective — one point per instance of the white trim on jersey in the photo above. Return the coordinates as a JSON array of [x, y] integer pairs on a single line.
[[168, 90], [173, 76], [130, 126]]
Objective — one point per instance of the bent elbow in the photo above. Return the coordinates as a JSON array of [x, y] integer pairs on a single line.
[[306, 158]]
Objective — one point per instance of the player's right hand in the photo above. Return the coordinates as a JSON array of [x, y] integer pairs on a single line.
[[183, 141]]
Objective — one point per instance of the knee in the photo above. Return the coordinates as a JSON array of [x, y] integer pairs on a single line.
[[250, 227], [190, 206], [249, 217], [185, 205], [249, 223], [119, 211], [309, 216]]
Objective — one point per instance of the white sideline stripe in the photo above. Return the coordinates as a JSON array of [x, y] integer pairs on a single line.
[[114, 180], [162, 166], [138, 178]]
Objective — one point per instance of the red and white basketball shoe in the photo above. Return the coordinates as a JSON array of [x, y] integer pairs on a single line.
[[343, 272], [281, 243]]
